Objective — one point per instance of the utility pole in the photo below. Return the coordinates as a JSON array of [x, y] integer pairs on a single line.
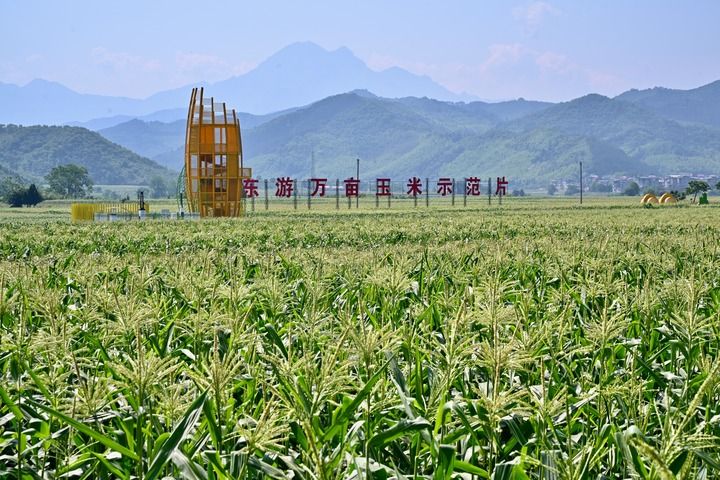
[[357, 172], [581, 183]]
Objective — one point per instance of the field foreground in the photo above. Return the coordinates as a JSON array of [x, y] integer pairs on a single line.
[[535, 340]]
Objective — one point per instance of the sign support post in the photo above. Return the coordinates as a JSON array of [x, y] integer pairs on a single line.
[[427, 192], [267, 201]]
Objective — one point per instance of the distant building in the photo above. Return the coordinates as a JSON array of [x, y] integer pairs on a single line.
[[620, 184]]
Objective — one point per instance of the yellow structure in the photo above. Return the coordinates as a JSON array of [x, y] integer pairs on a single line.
[[87, 211], [214, 170], [668, 199], [649, 198]]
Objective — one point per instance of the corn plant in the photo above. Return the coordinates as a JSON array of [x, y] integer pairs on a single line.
[[539, 341]]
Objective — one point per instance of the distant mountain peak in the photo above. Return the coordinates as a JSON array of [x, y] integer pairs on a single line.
[[298, 48], [46, 85], [591, 98], [35, 82], [362, 92], [308, 50], [299, 74], [343, 51]]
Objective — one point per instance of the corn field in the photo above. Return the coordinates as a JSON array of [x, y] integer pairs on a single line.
[[544, 342]]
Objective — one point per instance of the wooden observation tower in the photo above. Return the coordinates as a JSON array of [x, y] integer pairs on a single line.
[[214, 170]]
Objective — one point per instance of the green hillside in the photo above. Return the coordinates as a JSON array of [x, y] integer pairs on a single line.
[[163, 141], [147, 138], [509, 110], [533, 142], [540, 155], [698, 105], [337, 129], [422, 137], [172, 159], [452, 116], [6, 172], [665, 145], [32, 152]]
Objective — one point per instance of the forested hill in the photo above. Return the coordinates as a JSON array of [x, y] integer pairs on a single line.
[[697, 105], [533, 142], [5, 173], [664, 145], [422, 137], [31, 152]]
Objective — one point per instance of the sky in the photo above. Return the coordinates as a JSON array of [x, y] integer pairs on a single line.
[[545, 50]]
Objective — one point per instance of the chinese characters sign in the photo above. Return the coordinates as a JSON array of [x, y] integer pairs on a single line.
[[285, 186], [414, 187]]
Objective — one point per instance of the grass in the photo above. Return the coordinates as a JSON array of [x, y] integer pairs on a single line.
[[534, 340]]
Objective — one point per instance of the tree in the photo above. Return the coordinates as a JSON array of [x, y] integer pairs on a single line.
[[717, 186], [32, 196], [70, 181], [7, 187], [601, 187], [20, 196], [572, 190], [696, 186], [17, 198], [552, 189], [632, 190], [158, 187], [678, 194]]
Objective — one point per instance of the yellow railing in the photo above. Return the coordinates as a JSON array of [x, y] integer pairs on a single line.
[[87, 211]]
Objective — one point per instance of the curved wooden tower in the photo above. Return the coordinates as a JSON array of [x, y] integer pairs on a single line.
[[213, 159]]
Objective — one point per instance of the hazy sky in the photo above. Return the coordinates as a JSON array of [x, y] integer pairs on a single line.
[[547, 50]]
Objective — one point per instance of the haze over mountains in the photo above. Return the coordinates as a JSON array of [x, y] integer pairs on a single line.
[[296, 75], [331, 107]]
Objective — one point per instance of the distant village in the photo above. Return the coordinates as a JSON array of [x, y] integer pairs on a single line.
[[619, 184]]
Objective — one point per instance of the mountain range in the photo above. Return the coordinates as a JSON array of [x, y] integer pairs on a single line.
[[330, 107], [699, 105], [534, 142], [298, 74]]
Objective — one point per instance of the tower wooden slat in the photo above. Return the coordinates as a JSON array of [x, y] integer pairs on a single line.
[[213, 159]]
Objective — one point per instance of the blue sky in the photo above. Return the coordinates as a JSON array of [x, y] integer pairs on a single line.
[[547, 50]]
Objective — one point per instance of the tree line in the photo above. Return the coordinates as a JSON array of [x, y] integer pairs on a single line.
[[694, 188], [66, 181]]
